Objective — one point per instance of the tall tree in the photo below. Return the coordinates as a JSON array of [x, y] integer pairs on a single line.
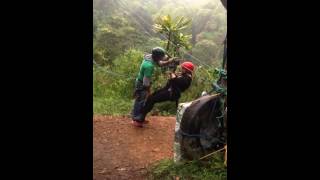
[[172, 29]]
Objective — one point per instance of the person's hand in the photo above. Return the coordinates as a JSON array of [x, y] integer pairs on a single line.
[[167, 61], [165, 58], [173, 75], [168, 74], [148, 92]]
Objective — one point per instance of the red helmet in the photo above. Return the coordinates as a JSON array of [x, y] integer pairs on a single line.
[[188, 66]]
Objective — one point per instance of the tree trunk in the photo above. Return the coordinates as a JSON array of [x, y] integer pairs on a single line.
[[224, 61], [168, 44]]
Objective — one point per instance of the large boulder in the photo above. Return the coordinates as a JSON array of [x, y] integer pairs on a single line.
[[199, 128], [224, 3]]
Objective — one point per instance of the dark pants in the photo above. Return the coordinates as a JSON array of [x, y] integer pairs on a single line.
[[158, 96], [140, 98]]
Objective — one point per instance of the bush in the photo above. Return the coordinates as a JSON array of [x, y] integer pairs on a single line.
[[113, 86]]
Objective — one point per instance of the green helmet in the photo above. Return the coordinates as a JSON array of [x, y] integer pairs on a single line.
[[158, 52]]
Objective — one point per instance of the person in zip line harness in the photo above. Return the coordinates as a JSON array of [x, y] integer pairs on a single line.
[[177, 84], [143, 81]]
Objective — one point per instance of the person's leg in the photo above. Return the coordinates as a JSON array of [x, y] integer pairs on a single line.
[[138, 104], [140, 96], [135, 110], [156, 97]]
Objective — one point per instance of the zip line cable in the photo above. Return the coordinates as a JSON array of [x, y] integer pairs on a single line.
[[146, 23]]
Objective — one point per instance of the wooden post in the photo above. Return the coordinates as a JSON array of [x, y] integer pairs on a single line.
[[225, 156]]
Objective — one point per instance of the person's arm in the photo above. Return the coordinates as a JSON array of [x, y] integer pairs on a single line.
[[172, 75], [166, 60], [147, 79], [147, 85], [179, 80]]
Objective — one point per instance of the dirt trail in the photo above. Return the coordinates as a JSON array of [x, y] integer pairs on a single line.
[[121, 151]]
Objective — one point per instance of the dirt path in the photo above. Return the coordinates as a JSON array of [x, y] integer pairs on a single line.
[[121, 151]]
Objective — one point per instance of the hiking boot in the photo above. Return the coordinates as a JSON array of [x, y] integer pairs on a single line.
[[137, 124]]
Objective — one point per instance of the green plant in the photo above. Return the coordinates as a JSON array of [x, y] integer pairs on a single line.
[[113, 85], [212, 169], [172, 29]]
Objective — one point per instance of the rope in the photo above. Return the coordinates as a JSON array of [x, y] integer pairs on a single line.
[[210, 154]]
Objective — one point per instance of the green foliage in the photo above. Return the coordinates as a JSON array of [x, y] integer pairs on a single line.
[[112, 93], [206, 50], [213, 169], [113, 39], [150, 43], [172, 29]]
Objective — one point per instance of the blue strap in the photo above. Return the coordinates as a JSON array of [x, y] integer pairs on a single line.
[[193, 135]]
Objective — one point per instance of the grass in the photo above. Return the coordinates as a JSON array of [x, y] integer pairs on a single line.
[[212, 169]]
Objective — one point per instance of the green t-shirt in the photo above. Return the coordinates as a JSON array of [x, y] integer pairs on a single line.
[[146, 68]]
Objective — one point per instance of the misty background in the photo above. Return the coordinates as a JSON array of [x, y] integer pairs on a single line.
[[124, 31]]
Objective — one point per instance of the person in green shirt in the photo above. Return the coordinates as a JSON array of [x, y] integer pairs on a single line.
[[143, 81]]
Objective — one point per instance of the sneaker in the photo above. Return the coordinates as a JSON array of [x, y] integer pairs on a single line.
[[137, 118], [137, 124]]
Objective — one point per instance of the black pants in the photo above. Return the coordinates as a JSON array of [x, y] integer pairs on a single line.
[[140, 98], [158, 96]]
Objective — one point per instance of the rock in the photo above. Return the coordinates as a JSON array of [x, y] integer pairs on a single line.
[[103, 171], [122, 169], [156, 150]]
